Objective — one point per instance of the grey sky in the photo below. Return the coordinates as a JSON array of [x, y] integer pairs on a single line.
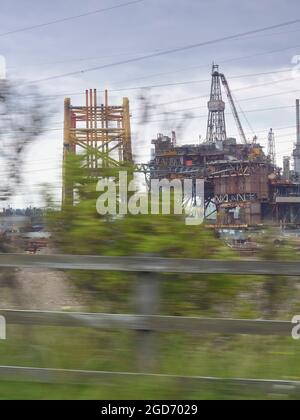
[[144, 28]]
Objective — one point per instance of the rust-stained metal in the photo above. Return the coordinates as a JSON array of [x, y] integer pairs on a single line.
[[102, 132]]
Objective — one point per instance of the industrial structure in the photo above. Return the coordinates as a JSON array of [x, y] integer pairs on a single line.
[[271, 147], [101, 132], [216, 126], [297, 147], [243, 185]]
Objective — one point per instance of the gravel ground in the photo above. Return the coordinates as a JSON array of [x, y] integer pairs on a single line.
[[38, 289]]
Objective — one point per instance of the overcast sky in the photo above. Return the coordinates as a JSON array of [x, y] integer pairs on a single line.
[[144, 28]]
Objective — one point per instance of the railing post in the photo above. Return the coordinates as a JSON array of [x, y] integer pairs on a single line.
[[147, 297]]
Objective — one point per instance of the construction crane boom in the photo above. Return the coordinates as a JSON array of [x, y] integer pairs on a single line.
[[233, 107]]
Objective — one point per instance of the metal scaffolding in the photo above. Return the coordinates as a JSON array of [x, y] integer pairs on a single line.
[[101, 132], [272, 147], [216, 127]]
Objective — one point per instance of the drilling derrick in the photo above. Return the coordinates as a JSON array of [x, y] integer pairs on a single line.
[[271, 147], [101, 132], [216, 127]]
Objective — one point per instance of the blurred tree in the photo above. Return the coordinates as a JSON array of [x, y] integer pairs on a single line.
[[22, 120], [79, 229]]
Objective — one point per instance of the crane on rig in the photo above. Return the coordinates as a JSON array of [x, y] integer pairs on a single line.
[[233, 107]]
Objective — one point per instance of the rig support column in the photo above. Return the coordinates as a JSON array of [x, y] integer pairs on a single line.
[[102, 132]]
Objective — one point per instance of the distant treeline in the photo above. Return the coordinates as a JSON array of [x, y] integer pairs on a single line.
[[29, 212]]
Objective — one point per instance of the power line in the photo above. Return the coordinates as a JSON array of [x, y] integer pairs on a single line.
[[54, 96], [205, 116], [170, 51], [270, 95], [206, 96], [234, 90], [257, 132], [244, 115], [192, 116], [229, 60], [76, 60], [188, 82], [122, 53], [53, 22]]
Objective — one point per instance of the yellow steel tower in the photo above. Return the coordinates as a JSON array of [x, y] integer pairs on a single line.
[[102, 132]]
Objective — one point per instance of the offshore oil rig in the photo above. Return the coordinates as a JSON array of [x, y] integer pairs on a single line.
[[243, 185]]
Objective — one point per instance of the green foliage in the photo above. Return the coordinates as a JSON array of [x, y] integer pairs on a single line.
[[79, 229]]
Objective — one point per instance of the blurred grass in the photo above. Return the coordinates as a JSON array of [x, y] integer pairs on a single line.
[[137, 390], [181, 354]]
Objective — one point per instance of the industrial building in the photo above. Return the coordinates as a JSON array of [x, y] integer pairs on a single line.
[[243, 185]]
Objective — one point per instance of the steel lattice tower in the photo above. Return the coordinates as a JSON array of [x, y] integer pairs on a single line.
[[101, 132], [216, 126], [271, 147]]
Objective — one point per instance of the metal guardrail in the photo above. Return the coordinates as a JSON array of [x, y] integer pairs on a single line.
[[62, 376], [145, 322], [148, 323], [150, 264]]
